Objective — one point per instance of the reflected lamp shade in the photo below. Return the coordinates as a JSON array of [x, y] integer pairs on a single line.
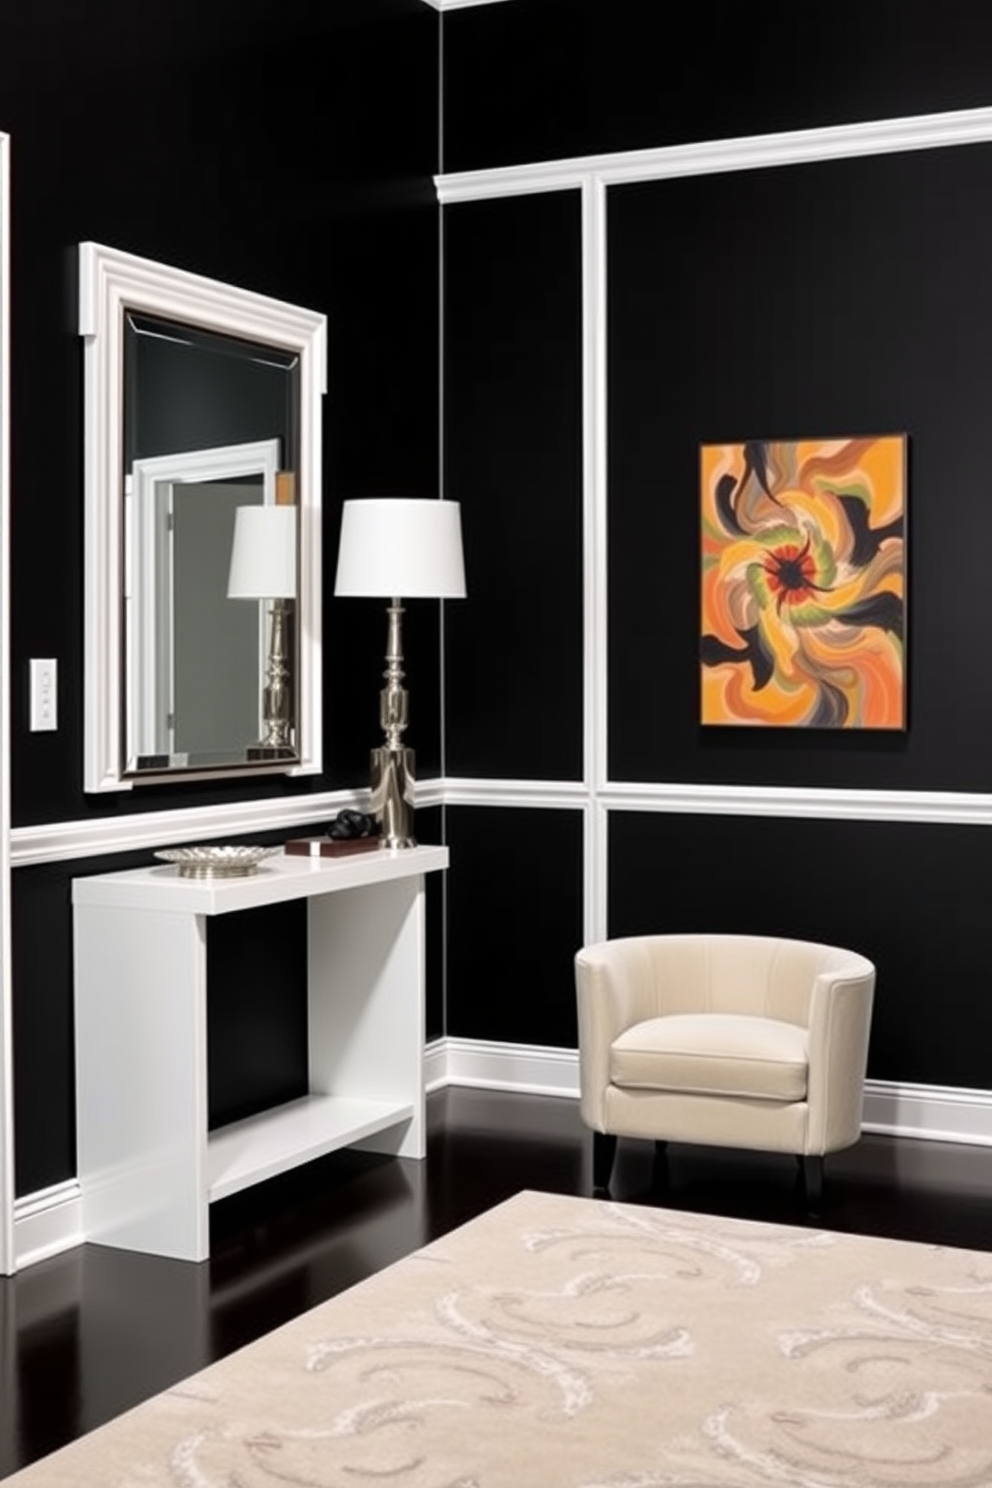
[[401, 547], [263, 554]]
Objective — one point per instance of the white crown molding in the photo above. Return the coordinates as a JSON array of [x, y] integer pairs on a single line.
[[460, 4], [110, 283], [750, 152]]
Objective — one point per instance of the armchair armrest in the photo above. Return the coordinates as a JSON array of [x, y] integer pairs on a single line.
[[614, 988], [839, 1030]]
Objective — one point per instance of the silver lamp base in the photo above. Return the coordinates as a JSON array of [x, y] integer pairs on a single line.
[[391, 778]]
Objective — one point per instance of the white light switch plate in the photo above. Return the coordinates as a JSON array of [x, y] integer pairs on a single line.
[[44, 695]]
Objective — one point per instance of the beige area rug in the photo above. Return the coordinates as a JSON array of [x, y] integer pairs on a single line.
[[577, 1343]]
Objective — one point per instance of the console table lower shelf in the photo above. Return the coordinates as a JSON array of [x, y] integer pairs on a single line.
[[148, 1166], [263, 1146]]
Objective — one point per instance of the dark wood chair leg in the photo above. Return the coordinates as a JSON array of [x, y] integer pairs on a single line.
[[812, 1170], [604, 1150]]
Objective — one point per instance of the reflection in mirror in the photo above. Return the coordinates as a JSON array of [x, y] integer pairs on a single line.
[[202, 401], [194, 655]]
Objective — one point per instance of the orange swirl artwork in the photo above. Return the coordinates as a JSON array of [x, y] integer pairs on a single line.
[[804, 583]]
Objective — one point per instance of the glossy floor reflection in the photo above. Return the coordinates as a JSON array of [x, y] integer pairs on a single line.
[[91, 1333]]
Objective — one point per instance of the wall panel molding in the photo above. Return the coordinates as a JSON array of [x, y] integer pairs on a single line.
[[593, 176], [749, 152], [65, 841], [54, 842], [836, 805], [458, 791]]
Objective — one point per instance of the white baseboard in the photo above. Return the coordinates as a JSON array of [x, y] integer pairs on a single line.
[[934, 1113], [50, 1221], [526, 1069], [47, 1222], [435, 1065]]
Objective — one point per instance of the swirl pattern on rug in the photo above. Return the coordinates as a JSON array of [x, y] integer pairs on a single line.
[[573, 1343]]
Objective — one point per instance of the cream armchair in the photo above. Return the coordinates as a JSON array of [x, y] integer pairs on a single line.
[[730, 1040]]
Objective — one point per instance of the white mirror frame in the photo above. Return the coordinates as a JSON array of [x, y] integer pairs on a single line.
[[6, 1019], [111, 282]]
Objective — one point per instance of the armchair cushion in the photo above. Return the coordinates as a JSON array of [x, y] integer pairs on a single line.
[[713, 1054]]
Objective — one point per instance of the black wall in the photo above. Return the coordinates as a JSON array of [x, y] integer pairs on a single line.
[[854, 313], [513, 406], [821, 300], [548, 79], [288, 149]]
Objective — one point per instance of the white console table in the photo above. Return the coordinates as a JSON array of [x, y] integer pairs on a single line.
[[148, 1167]]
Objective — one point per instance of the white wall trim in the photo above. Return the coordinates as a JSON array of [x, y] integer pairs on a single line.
[[931, 1112], [570, 794], [94, 837], [52, 842], [63, 841], [958, 809], [435, 1065], [709, 157], [460, 4], [594, 518], [927, 1112], [524, 1069], [923, 807]]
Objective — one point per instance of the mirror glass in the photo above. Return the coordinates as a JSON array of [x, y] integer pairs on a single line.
[[210, 425], [202, 539]]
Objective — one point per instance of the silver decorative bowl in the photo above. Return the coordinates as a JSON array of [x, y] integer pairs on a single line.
[[217, 862]]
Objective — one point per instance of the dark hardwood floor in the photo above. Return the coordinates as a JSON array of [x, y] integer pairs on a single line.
[[91, 1333]]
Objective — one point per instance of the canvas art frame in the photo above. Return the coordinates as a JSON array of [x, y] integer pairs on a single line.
[[803, 583]]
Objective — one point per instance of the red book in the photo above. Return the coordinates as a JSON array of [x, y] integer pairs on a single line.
[[330, 847]]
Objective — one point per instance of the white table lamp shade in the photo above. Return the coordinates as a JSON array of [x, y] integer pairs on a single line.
[[404, 548], [263, 554]]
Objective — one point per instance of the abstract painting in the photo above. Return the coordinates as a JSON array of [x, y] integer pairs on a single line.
[[804, 583]]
